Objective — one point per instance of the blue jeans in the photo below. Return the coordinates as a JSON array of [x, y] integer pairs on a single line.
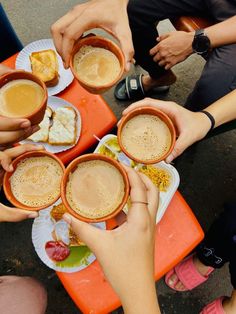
[[9, 42]]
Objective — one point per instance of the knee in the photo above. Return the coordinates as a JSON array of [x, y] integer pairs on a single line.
[[38, 294], [206, 91], [29, 295]]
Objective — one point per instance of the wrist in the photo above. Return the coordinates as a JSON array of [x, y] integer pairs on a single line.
[[143, 300], [204, 124], [191, 38]]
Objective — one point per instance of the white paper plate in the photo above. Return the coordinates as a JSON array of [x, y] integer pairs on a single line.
[[165, 197], [23, 62], [54, 103], [42, 233]]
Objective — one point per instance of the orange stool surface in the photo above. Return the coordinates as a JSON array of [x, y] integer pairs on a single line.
[[176, 236], [97, 117]]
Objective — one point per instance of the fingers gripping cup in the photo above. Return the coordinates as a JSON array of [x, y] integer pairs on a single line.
[[94, 188], [35, 182], [146, 135], [22, 95], [97, 63]]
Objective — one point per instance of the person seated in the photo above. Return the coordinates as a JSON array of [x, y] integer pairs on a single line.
[[158, 54]]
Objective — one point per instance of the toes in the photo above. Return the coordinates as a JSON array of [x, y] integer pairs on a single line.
[[172, 280], [179, 286]]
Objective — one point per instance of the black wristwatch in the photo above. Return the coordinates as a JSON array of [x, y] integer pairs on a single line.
[[201, 43]]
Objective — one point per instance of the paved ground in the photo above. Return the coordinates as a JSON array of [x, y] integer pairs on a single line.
[[208, 177]]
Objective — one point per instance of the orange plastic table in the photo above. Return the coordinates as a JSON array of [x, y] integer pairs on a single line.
[[176, 235], [97, 117]]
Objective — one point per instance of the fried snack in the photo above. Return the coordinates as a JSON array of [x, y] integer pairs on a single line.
[[160, 177], [63, 130], [44, 64], [56, 213], [74, 240], [43, 133]]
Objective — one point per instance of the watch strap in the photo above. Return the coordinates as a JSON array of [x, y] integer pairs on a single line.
[[199, 32]]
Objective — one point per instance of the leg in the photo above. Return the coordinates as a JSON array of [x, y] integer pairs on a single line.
[[9, 42], [217, 248], [220, 246], [143, 17], [218, 78], [22, 295], [230, 304]]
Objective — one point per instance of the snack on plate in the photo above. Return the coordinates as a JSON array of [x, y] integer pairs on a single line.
[[43, 133], [57, 213], [63, 130], [44, 64], [160, 177], [113, 143]]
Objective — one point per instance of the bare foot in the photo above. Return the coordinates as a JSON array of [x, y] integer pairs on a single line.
[[202, 269], [168, 78]]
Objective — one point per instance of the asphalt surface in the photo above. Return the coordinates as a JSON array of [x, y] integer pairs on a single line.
[[207, 174]]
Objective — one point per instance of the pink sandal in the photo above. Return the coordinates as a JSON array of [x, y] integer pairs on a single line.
[[187, 273], [216, 307]]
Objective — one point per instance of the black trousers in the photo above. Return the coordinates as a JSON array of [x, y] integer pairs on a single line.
[[219, 74], [219, 245], [9, 42]]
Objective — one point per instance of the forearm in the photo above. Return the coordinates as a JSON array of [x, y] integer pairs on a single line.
[[141, 299], [222, 33], [224, 109]]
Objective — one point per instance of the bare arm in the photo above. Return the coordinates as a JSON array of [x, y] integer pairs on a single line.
[[224, 109], [192, 126], [126, 254], [223, 33], [175, 47]]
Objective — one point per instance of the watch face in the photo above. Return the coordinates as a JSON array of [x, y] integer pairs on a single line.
[[201, 44]]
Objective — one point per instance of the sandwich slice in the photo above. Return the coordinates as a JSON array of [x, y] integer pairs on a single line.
[[63, 130], [42, 134], [44, 64]]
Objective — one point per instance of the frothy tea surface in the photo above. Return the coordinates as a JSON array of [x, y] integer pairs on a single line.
[[96, 66], [19, 98], [146, 137], [95, 189], [36, 181]]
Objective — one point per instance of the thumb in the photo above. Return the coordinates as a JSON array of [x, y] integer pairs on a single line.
[[88, 234], [180, 146]]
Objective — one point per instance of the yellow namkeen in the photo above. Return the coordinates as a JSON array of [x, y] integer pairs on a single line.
[[160, 177]]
